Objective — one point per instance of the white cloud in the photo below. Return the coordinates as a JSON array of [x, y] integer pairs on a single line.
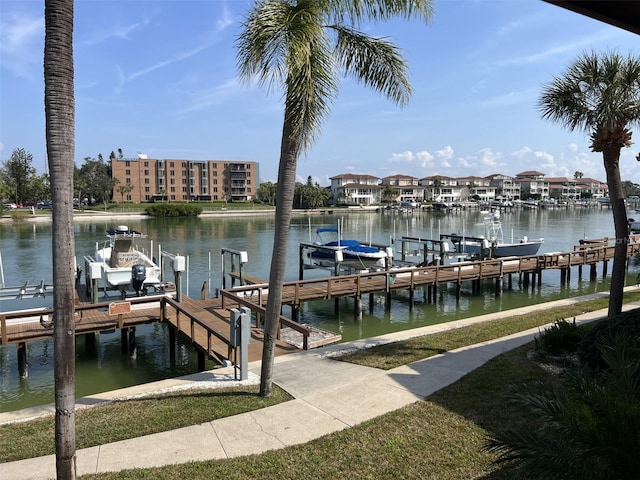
[[523, 152], [488, 160], [21, 44], [445, 153]]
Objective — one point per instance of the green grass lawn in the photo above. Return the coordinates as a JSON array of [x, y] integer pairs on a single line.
[[438, 438]]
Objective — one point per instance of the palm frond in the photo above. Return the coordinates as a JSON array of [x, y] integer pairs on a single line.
[[376, 62], [263, 44], [355, 11], [598, 92]]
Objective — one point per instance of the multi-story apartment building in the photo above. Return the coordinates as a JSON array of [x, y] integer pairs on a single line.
[[183, 180], [356, 189], [407, 187], [476, 188], [505, 187], [563, 188], [441, 189], [533, 185]]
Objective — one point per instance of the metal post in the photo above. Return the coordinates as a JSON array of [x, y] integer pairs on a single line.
[[240, 336]]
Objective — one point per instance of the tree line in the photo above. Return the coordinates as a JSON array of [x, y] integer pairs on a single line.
[[21, 184]]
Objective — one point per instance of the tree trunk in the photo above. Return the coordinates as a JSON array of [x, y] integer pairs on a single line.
[[60, 135], [611, 157], [285, 191]]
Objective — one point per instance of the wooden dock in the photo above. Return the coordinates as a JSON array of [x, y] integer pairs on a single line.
[[530, 269], [206, 322]]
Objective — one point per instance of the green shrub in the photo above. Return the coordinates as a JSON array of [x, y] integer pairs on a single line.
[[561, 337], [626, 324], [174, 210], [588, 428]]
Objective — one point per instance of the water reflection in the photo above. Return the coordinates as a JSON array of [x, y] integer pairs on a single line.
[[102, 365]]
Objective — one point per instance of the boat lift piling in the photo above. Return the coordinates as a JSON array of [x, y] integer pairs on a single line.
[[241, 257]]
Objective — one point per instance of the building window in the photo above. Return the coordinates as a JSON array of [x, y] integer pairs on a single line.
[[146, 189], [171, 165], [128, 180], [127, 163], [172, 189], [127, 172], [172, 181], [146, 164], [146, 172], [146, 180], [172, 173]]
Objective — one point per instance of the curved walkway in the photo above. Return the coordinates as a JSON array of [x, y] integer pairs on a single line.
[[328, 396]]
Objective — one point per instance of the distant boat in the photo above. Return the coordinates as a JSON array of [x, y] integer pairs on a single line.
[[351, 251], [634, 225], [125, 265], [492, 243]]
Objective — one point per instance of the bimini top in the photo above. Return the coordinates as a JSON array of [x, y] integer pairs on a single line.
[[124, 231]]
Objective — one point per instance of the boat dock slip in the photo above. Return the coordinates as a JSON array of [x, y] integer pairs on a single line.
[[528, 268], [206, 322]]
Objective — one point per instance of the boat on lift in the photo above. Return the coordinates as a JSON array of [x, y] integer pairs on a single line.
[[352, 251], [492, 243], [125, 264]]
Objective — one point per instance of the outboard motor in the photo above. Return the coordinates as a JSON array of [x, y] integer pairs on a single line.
[[138, 276]]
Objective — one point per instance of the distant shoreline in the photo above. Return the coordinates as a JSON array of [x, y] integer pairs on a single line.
[[94, 215]]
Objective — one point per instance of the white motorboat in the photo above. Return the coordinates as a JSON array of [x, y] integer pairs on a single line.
[[125, 264], [492, 243]]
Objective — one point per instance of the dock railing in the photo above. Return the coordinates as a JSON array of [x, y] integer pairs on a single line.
[[245, 295], [194, 324]]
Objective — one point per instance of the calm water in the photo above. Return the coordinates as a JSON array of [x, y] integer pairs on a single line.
[[26, 252]]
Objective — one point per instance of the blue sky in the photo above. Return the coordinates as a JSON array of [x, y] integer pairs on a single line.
[[160, 77]]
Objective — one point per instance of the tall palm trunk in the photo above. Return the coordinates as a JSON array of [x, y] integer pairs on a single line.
[[289, 151], [60, 135], [611, 157]]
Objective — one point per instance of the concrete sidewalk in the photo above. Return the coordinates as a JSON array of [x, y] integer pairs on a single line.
[[328, 396]]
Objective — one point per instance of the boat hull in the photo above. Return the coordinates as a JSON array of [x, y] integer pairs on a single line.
[[522, 249]]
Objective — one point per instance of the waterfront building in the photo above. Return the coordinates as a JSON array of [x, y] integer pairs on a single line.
[[439, 188], [407, 187], [479, 188], [356, 189], [533, 185], [506, 188], [564, 189], [183, 180]]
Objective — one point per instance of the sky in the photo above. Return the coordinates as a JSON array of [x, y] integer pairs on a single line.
[[160, 77]]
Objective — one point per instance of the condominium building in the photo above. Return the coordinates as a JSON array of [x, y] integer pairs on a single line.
[[404, 187], [146, 179], [355, 189], [533, 185]]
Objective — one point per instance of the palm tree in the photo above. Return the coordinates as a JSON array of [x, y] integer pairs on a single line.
[[437, 187], [301, 47], [601, 95], [59, 103]]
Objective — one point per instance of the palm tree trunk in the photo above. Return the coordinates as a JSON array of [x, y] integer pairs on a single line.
[[616, 196], [60, 135], [289, 151]]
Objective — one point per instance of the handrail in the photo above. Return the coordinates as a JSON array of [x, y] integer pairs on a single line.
[[591, 252], [259, 309], [193, 321]]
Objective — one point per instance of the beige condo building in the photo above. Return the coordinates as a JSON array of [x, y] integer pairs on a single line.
[[184, 180]]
